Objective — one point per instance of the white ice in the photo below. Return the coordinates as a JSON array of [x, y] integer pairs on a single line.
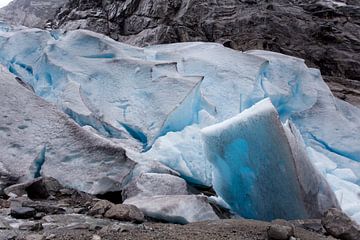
[[155, 101]]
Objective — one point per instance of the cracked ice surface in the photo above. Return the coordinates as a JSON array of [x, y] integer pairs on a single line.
[[159, 98], [36, 138], [96, 80]]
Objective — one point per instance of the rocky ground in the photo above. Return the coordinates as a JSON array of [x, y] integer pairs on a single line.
[[43, 209]]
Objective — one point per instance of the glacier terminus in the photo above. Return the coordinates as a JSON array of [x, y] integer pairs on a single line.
[[260, 128]]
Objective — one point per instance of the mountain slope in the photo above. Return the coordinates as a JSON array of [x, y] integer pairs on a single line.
[[31, 13]]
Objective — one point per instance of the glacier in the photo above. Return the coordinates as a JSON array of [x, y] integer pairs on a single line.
[[249, 148], [110, 112]]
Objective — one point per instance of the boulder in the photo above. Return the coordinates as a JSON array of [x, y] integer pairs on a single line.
[[35, 237], [4, 225], [4, 203], [125, 212], [44, 207], [280, 232], [6, 180], [23, 212], [39, 188], [100, 208], [31, 226], [339, 225]]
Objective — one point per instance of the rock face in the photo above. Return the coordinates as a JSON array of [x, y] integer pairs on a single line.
[[324, 33], [31, 13]]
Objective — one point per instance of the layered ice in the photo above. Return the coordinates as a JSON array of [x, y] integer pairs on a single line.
[[154, 102]]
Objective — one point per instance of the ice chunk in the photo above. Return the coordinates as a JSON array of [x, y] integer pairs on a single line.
[[347, 193], [37, 139], [345, 174], [175, 209], [184, 153], [261, 169], [152, 184]]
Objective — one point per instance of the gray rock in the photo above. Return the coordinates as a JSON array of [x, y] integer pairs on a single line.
[[44, 207], [31, 226], [39, 188], [23, 212], [124, 212], [74, 221], [31, 13], [339, 225], [280, 232], [4, 203], [8, 235], [6, 180], [100, 208], [35, 237], [313, 225], [4, 225]]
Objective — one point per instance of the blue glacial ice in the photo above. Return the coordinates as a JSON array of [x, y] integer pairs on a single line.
[[154, 102], [250, 148]]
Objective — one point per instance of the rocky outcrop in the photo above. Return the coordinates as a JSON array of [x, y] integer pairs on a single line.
[[324, 33], [31, 13], [340, 226]]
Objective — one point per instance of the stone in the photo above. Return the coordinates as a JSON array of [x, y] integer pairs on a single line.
[[4, 203], [33, 13], [39, 188], [39, 215], [124, 212], [23, 212], [6, 180], [313, 225], [44, 207], [280, 232], [35, 237], [96, 237], [100, 208], [4, 225], [51, 236], [43, 188], [31, 226], [339, 225]]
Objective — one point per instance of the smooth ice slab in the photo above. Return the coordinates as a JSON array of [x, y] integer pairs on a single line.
[[261, 169], [181, 209], [37, 139], [152, 184]]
